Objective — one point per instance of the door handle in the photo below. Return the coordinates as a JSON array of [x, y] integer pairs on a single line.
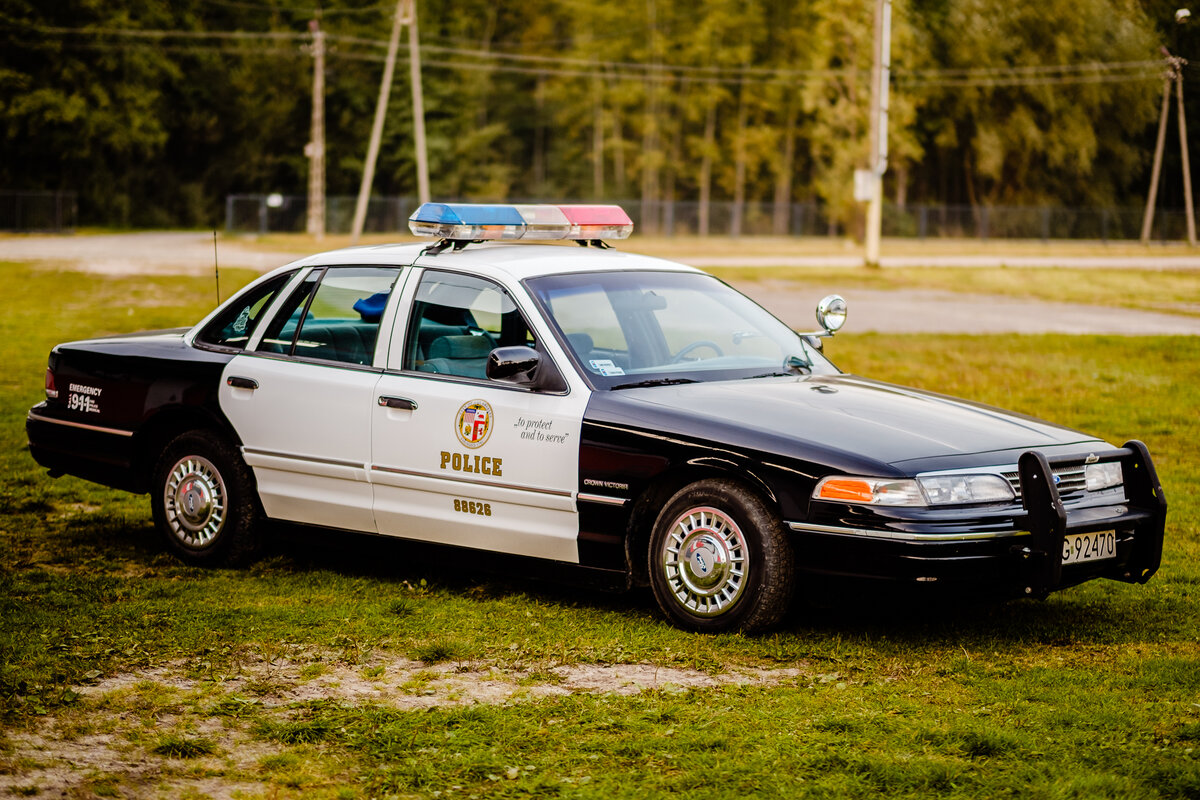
[[242, 383], [398, 402]]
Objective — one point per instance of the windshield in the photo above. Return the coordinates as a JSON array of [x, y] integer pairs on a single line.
[[642, 328]]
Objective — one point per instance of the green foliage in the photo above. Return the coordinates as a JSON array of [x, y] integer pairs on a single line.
[[155, 121], [1044, 142]]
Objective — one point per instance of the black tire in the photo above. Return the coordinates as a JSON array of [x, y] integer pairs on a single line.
[[204, 502], [720, 561]]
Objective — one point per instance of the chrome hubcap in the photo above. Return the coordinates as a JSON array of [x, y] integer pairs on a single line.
[[194, 500], [705, 560]]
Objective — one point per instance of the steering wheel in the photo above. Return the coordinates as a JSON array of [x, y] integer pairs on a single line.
[[695, 345]]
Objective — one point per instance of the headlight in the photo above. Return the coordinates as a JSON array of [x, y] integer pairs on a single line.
[[870, 491], [961, 489], [1103, 476], [927, 490]]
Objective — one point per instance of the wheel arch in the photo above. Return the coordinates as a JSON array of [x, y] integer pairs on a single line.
[[165, 425], [664, 486]]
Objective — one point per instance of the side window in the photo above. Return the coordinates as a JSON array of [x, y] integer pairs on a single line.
[[457, 321], [233, 327], [333, 315]]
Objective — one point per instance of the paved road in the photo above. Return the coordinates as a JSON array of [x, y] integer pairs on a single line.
[[901, 311], [181, 253], [932, 311], [982, 261]]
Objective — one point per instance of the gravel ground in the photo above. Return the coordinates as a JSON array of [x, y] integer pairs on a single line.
[[901, 311]]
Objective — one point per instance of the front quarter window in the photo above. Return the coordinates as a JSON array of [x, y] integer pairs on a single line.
[[457, 320]]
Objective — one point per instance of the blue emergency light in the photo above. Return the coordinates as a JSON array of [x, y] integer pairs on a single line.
[[475, 222]]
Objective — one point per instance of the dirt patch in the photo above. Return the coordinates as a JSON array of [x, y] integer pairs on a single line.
[[406, 684], [107, 746]]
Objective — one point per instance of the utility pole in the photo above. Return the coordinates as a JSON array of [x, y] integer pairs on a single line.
[[418, 100], [880, 80], [385, 90], [316, 147], [1183, 144], [1174, 74], [406, 14]]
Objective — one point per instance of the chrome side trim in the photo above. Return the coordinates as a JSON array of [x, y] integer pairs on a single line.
[[602, 499], [456, 479], [254, 451], [902, 536], [96, 428]]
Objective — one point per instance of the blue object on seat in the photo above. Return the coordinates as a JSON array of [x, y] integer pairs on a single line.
[[371, 308]]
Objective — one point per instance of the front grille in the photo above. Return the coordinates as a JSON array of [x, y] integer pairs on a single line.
[[1070, 479]]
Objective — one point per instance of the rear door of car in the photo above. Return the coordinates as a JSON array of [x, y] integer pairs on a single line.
[[301, 399]]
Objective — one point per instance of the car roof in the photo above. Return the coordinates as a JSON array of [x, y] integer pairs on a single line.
[[512, 260]]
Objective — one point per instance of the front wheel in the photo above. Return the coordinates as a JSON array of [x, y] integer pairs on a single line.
[[203, 501], [719, 559]]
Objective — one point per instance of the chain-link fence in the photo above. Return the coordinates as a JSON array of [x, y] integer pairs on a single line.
[[42, 212], [276, 213], [261, 213]]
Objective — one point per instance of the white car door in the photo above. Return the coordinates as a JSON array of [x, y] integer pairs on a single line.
[[462, 460], [301, 402]]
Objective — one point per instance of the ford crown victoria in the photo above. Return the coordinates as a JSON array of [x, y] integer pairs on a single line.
[[629, 417]]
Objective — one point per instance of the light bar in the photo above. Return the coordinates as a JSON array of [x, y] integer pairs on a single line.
[[473, 222]]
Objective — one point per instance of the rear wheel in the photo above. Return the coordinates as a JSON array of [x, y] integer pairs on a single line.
[[719, 559], [203, 501]]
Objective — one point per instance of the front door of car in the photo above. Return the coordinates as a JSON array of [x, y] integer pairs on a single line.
[[301, 399], [462, 460]]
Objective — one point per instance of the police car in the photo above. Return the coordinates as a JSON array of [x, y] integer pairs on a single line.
[[624, 416]]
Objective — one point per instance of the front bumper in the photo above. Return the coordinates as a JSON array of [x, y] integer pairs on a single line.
[[1002, 554]]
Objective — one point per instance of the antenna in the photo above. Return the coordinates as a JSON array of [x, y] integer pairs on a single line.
[[216, 271]]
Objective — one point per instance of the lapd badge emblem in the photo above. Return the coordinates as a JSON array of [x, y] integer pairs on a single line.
[[474, 423]]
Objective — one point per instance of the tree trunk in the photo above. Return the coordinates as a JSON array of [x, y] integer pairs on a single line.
[[539, 138], [710, 135], [668, 195], [650, 159], [597, 138], [739, 168], [783, 178]]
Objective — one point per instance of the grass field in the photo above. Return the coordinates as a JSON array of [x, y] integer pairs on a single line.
[[349, 667]]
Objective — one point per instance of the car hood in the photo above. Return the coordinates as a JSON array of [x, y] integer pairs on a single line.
[[862, 419]]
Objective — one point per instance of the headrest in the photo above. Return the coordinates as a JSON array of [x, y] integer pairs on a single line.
[[581, 343], [460, 347]]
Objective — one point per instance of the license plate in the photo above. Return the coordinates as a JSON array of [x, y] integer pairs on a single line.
[[1080, 547]]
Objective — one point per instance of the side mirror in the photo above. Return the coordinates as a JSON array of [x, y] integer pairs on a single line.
[[831, 313], [523, 366]]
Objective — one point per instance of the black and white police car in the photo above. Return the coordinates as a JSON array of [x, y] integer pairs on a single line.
[[618, 414]]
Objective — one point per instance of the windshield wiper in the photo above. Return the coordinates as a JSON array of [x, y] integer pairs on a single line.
[[654, 382], [794, 365]]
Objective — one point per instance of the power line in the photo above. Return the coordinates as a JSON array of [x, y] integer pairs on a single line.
[[306, 11], [566, 66]]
